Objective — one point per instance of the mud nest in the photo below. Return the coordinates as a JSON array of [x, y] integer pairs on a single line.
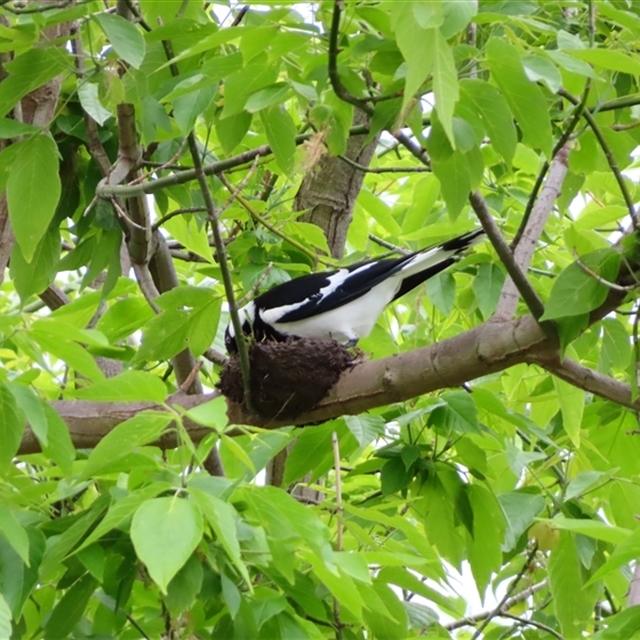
[[287, 378]]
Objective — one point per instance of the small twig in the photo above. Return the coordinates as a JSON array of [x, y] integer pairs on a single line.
[[265, 223], [191, 377], [339, 512], [332, 58], [123, 214], [226, 271], [470, 621], [165, 165], [240, 15], [500, 607], [254, 289], [359, 167], [176, 212], [237, 190], [387, 245], [532, 623], [335, 443], [601, 280], [147, 286], [611, 159]]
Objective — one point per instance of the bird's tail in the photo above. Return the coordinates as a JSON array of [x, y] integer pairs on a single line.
[[429, 262]]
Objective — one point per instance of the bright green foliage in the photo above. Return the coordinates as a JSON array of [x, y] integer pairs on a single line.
[[527, 485]]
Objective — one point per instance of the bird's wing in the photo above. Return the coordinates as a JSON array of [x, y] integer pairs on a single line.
[[318, 293], [328, 292]]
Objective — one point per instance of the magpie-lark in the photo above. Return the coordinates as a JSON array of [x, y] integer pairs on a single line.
[[343, 305]]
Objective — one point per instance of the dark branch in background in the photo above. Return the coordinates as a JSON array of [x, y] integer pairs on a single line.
[[500, 607], [611, 159], [336, 83], [359, 167], [518, 276], [575, 118]]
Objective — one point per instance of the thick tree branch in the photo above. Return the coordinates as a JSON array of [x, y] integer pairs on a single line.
[[489, 348], [588, 379]]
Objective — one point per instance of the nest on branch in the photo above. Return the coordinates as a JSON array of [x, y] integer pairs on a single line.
[[287, 378]]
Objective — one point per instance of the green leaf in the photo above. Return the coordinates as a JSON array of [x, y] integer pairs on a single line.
[[284, 518], [520, 508], [445, 83], [12, 424], [165, 335], [35, 276], [221, 517], [126, 39], [484, 547], [14, 533], [187, 108], [185, 586], [281, 133], [122, 509], [232, 130], [130, 386], [487, 286], [542, 69], [615, 345], [71, 353], [624, 553], [425, 195], [494, 112], [576, 292], [90, 101], [624, 624], [609, 59], [165, 532], [572, 407], [33, 191], [310, 233], [33, 409], [572, 603], [441, 290], [124, 317], [267, 97], [525, 99], [365, 428], [144, 428], [456, 411], [379, 211], [13, 129], [591, 528], [455, 181], [417, 46], [29, 71], [394, 476], [240, 85], [457, 16], [67, 613], [58, 445], [5, 618]]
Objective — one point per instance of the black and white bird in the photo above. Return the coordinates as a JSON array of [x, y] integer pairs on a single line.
[[344, 304]]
